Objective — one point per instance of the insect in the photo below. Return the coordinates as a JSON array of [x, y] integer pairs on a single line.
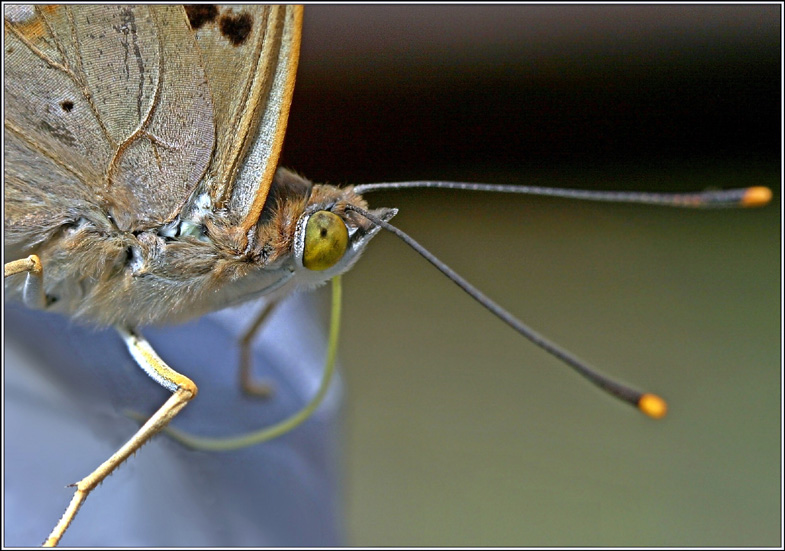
[[185, 226]]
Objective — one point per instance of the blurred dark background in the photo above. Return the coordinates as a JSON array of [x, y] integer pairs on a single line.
[[401, 91], [457, 431]]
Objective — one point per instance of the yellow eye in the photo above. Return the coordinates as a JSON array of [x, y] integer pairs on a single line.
[[326, 239]]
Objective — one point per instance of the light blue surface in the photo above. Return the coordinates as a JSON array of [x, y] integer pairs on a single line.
[[66, 388]]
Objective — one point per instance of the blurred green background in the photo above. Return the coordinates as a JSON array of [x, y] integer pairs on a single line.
[[459, 432]]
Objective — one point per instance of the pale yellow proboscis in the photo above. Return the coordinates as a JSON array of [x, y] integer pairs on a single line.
[[274, 431]]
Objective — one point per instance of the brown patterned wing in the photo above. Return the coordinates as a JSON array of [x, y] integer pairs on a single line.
[[250, 56], [107, 105]]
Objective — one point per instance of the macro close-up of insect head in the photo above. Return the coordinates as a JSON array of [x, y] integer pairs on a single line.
[[187, 194]]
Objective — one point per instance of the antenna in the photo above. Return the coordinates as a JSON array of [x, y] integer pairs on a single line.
[[650, 404], [756, 196]]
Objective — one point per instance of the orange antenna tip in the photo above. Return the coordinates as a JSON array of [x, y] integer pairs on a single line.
[[756, 196], [653, 406]]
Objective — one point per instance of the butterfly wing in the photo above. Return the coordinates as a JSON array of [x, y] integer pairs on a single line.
[[95, 94], [250, 56], [135, 109]]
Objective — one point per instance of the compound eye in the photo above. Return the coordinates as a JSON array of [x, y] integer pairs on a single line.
[[326, 240]]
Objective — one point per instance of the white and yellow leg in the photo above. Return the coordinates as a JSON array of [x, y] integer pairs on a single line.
[[33, 294], [184, 390]]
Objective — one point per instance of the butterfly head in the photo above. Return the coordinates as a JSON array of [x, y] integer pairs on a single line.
[[329, 237]]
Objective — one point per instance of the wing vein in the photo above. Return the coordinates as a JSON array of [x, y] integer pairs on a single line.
[[141, 129]]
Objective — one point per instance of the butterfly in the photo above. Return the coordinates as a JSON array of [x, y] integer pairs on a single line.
[[124, 126], [232, 179]]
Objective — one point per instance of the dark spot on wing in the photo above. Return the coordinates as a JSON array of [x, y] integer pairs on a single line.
[[236, 28], [200, 14], [67, 105]]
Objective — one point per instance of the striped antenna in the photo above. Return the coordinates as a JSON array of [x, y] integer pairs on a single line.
[[650, 404], [756, 196]]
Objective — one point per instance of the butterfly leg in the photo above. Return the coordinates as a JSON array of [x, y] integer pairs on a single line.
[[184, 390], [247, 383], [33, 293]]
